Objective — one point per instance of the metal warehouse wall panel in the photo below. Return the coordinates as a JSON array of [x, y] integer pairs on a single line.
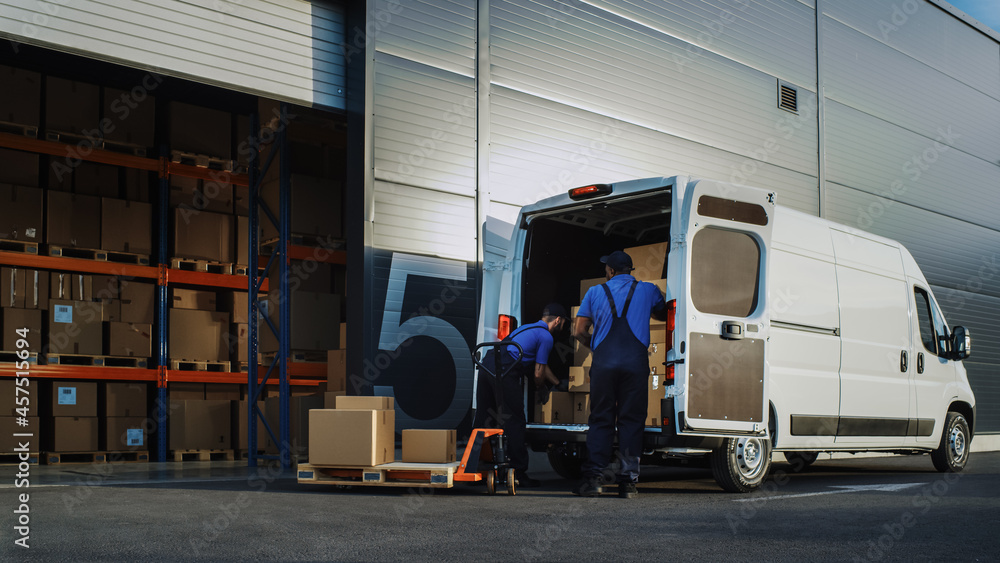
[[869, 76], [422, 221], [900, 165], [425, 126], [284, 49], [926, 33], [777, 37], [439, 33], [541, 148], [600, 62], [950, 252]]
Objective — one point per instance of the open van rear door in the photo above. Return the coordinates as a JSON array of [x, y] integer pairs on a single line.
[[722, 308]]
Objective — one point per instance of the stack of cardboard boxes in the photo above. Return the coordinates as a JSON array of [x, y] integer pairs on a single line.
[[200, 416], [100, 315], [69, 422], [123, 424]]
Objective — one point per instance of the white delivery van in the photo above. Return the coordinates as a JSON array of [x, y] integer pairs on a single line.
[[787, 333]]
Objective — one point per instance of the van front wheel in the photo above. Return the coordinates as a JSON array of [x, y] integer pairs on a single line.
[[740, 465], [953, 453]]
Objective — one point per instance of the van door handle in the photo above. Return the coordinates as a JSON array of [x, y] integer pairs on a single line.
[[920, 362], [732, 330], [902, 361]]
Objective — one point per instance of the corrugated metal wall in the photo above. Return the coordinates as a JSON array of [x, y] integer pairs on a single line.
[[290, 50]]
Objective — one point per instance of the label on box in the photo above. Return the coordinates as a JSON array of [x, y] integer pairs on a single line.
[[63, 314], [67, 395], [133, 436], [30, 232]]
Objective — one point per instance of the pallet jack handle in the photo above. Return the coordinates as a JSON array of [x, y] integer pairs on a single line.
[[498, 347]]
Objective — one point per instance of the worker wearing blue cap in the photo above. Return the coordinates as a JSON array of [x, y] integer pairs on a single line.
[[619, 311]]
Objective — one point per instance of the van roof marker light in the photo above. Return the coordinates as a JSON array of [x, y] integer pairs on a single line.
[[586, 192]]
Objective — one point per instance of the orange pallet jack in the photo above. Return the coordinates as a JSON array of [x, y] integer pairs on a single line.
[[485, 456]]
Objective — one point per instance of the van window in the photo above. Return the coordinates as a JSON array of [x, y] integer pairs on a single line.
[[926, 326], [725, 271]]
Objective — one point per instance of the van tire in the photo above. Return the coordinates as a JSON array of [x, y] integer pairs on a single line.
[[566, 463], [741, 465], [800, 460], [953, 453]]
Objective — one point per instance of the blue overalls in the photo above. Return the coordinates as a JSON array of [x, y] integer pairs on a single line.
[[618, 394]]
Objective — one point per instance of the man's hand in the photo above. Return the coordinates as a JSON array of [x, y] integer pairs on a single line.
[[581, 330]]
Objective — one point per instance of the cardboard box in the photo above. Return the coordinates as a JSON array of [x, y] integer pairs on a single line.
[[557, 410], [235, 303], [138, 301], [129, 339], [315, 321], [95, 179], [240, 419], [21, 96], [243, 239], [126, 226], [193, 299], [198, 335], [336, 370], [75, 328], [72, 107], [582, 356], [343, 336], [648, 260], [106, 287], [579, 379], [15, 319], [82, 287], [656, 392], [36, 288], [238, 342], [9, 426], [222, 392], [183, 391], [12, 287], [8, 390], [111, 312], [200, 130], [200, 425], [74, 434], [657, 349], [72, 398], [429, 446], [124, 433], [581, 408], [133, 116], [362, 438], [298, 411], [330, 398], [123, 399], [19, 168], [201, 235], [60, 285], [136, 185], [72, 220], [20, 213], [585, 285], [316, 206], [365, 402], [201, 195]]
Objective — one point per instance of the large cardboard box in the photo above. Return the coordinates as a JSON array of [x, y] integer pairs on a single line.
[[72, 107], [72, 398], [19, 168], [298, 410], [200, 425], [12, 287], [581, 408], [579, 379], [336, 370], [184, 391], [124, 433], [236, 304], [9, 426], [365, 402], [75, 328], [201, 235], [342, 437], [557, 410], [648, 260], [585, 285], [198, 335], [129, 339], [582, 356], [21, 96], [429, 446], [8, 390], [657, 349], [133, 116], [126, 226], [200, 130], [16, 319], [72, 220], [123, 399], [315, 320], [201, 195], [316, 206], [193, 299], [94, 179], [74, 434], [656, 392], [20, 212], [138, 301]]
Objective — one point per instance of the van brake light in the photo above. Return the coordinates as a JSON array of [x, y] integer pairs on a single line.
[[505, 325], [671, 315], [590, 191]]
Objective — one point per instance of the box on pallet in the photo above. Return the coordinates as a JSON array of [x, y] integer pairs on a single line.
[[133, 118], [200, 299], [72, 434], [200, 425], [126, 226], [123, 433], [349, 437], [123, 399], [429, 446], [138, 300], [75, 328], [71, 220], [71, 107], [21, 96], [200, 235], [128, 339], [72, 398], [20, 213], [365, 402], [19, 168], [198, 335]]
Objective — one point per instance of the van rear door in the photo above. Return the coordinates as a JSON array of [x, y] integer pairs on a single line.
[[722, 310]]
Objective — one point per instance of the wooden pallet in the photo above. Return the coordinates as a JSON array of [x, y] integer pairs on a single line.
[[71, 252], [19, 129], [73, 360], [202, 161], [21, 246], [245, 454], [12, 357], [125, 148], [63, 458], [15, 458], [126, 257], [396, 474], [73, 139], [193, 265], [125, 362], [196, 365], [127, 457], [201, 455]]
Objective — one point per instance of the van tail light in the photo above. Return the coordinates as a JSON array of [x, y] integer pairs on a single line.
[[593, 190], [668, 375], [671, 315], [505, 325]]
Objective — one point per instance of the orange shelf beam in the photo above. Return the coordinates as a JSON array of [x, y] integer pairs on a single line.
[[221, 176], [83, 372], [221, 377], [228, 281], [75, 152], [77, 265]]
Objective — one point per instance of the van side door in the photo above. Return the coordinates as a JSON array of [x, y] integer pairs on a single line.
[[934, 374], [722, 307]]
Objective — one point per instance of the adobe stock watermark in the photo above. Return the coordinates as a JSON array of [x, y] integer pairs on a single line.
[[40, 19], [988, 271], [378, 20], [900, 16], [713, 30], [582, 158]]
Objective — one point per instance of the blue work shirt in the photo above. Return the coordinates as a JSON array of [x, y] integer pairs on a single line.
[[535, 343], [646, 299]]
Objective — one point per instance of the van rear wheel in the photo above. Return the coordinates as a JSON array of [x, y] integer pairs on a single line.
[[953, 453], [740, 465], [567, 462]]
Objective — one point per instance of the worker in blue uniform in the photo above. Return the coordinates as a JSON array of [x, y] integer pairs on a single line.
[[536, 340], [618, 310]]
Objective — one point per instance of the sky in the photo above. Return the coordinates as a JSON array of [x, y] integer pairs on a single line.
[[986, 11]]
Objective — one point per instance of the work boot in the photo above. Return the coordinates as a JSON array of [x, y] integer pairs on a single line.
[[627, 490], [527, 482], [589, 487]]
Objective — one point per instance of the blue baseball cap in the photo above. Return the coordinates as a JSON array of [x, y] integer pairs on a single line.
[[618, 261]]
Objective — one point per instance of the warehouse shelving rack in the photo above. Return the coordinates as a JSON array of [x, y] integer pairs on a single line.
[[305, 374]]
